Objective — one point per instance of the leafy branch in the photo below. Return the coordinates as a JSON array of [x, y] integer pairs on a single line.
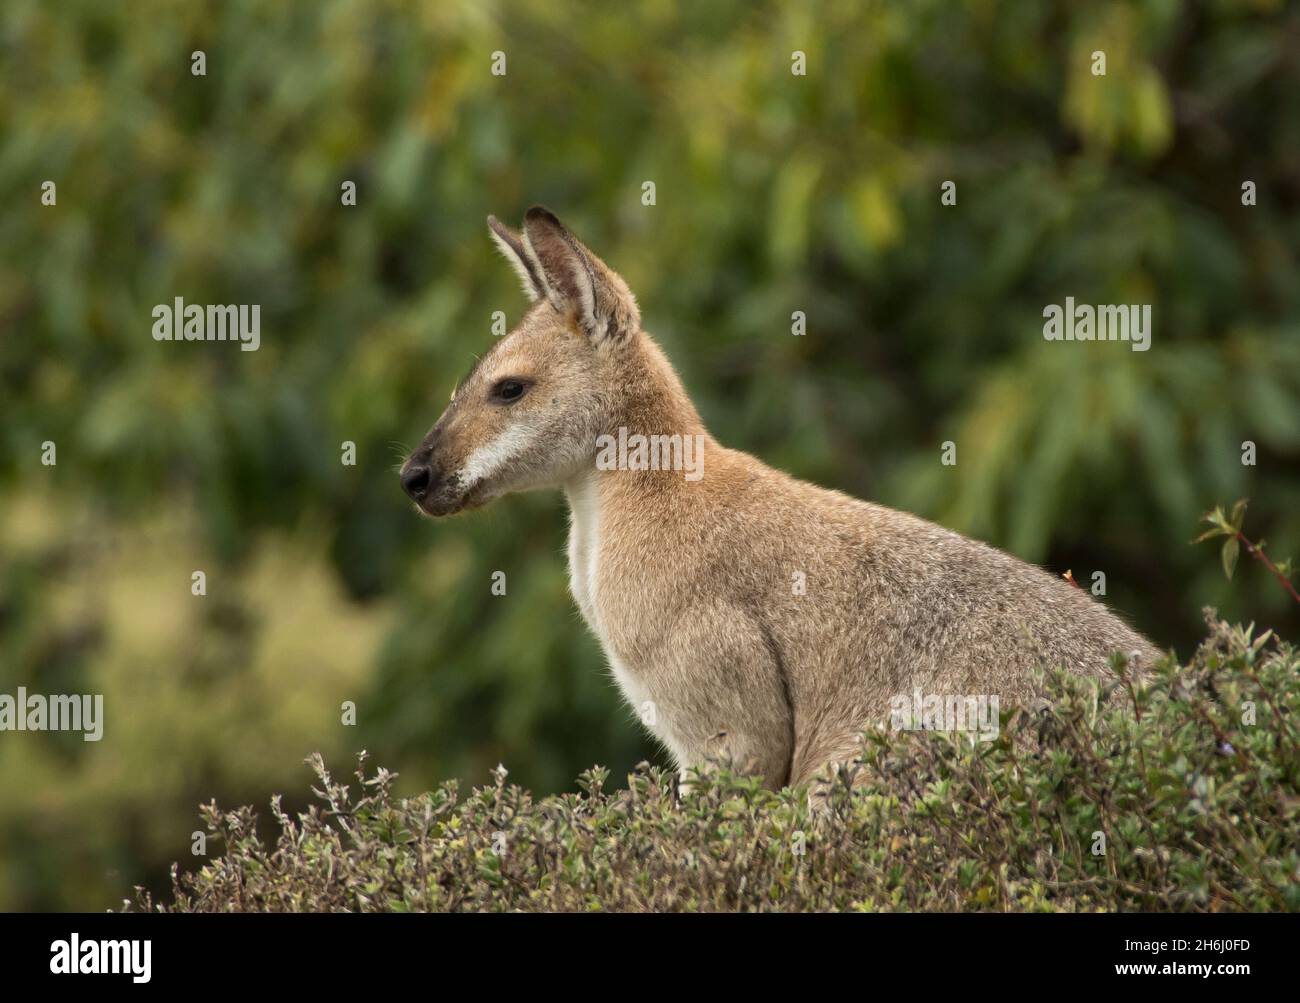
[[1229, 526]]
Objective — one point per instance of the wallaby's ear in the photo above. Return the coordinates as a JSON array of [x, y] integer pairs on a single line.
[[574, 279], [511, 246]]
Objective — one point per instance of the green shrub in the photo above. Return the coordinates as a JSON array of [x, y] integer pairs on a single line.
[[1189, 775]]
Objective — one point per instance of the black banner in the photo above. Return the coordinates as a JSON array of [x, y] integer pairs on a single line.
[[89, 952]]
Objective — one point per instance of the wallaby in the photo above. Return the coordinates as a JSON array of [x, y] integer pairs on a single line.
[[748, 617]]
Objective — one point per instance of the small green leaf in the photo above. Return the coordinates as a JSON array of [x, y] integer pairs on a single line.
[[1239, 513], [1231, 548]]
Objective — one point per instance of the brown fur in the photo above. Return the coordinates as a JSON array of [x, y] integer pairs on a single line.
[[688, 585]]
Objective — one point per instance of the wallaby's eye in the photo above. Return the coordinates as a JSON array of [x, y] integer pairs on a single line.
[[509, 390]]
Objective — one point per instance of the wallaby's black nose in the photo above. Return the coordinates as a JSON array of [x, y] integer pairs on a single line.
[[415, 480]]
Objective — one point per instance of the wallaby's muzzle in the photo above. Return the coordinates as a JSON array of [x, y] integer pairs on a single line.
[[435, 492]]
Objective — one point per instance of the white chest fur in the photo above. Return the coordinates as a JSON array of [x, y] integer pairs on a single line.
[[584, 579], [584, 546]]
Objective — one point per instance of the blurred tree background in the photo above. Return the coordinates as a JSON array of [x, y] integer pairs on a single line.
[[775, 193]]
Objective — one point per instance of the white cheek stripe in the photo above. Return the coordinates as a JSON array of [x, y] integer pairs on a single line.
[[487, 460]]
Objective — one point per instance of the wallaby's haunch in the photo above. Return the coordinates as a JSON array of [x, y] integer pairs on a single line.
[[749, 617]]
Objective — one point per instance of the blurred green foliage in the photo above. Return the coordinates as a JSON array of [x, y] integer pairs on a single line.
[[775, 193]]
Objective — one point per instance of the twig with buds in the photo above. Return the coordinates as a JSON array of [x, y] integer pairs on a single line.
[[1230, 527]]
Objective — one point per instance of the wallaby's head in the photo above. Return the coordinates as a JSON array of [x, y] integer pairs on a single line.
[[528, 413]]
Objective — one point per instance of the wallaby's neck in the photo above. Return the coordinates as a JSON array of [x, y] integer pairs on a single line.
[[652, 402]]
